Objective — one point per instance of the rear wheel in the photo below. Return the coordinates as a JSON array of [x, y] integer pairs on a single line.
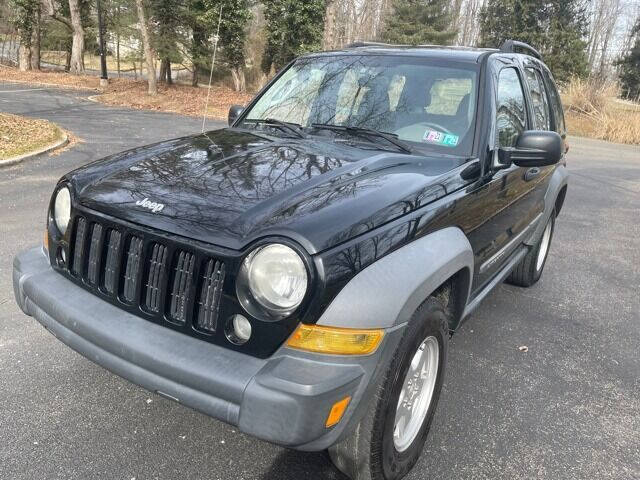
[[529, 270], [389, 439]]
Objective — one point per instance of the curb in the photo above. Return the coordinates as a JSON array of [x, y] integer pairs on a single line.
[[57, 144]]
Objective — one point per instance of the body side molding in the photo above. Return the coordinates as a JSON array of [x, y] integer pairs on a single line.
[[390, 290]]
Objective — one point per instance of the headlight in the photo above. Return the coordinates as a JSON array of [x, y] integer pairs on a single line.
[[62, 209], [275, 277]]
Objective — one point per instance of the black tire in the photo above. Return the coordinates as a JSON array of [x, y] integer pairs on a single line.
[[527, 272], [370, 453]]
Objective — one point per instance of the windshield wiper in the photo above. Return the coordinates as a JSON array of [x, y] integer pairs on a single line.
[[361, 131], [272, 122]]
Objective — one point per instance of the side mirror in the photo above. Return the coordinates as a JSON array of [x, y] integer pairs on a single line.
[[234, 113], [534, 148]]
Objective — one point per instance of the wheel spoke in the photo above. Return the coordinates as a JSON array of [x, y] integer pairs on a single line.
[[416, 361]]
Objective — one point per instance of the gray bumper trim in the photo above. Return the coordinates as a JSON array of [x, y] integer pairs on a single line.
[[284, 399]]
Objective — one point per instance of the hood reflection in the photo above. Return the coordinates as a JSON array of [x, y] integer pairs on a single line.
[[230, 187]]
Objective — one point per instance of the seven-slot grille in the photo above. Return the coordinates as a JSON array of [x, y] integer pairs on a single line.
[[170, 284]]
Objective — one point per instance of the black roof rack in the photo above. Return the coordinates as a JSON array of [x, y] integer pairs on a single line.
[[510, 46]]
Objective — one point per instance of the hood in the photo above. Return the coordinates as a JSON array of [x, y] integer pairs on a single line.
[[230, 187]]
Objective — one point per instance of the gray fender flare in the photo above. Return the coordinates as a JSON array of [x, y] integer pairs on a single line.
[[559, 179], [389, 291]]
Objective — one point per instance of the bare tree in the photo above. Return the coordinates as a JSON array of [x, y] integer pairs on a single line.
[[77, 44], [149, 55], [35, 41], [356, 20], [468, 21], [604, 16], [329, 37], [24, 57]]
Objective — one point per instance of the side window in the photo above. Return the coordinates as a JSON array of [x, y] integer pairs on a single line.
[[556, 105], [512, 118], [542, 117]]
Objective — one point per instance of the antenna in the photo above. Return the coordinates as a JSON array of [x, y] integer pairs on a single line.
[[216, 38]]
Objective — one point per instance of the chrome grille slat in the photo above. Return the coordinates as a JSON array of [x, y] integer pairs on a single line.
[[132, 269], [208, 304], [110, 282], [157, 265], [78, 246], [182, 279], [95, 250]]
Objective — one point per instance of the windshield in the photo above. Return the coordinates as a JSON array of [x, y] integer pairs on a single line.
[[428, 105]]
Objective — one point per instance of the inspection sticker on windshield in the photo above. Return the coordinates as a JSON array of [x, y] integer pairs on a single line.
[[439, 138]]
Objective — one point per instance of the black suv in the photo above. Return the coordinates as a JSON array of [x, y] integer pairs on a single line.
[[299, 273]]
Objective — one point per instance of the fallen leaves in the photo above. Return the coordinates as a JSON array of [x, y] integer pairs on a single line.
[[20, 135], [180, 99], [127, 92]]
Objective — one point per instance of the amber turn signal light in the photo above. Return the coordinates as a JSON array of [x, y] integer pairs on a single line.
[[335, 415], [334, 340], [46, 241]]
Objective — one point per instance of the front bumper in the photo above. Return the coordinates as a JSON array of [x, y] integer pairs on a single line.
[[284, 399]]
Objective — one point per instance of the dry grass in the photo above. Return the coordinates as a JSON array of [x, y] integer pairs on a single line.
[[593, 110], [126, 92], [20, 135]]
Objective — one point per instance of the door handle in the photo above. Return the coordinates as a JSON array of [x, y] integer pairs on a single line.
[[531, 174]]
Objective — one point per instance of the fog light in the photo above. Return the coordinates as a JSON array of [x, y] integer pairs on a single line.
[[238, 329]]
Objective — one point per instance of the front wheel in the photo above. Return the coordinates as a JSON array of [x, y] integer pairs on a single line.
[[389, 439]]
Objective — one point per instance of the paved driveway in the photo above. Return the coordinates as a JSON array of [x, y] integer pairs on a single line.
[[567, 409]]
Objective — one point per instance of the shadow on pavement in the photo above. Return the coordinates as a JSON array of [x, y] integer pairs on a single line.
[[291, 464]]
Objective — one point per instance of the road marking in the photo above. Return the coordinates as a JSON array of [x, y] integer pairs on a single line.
[[19, 91]]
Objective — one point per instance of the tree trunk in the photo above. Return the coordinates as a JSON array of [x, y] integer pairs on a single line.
[[24, 57], [239, 81], [197, 50], [118, 40], [77, 46], [329, 36], [169, 78], [162, 76], [67, 61], [35, 43], [194, 77], [165, 71], [148, 51]]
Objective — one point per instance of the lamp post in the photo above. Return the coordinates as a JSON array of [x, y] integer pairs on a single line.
[[104, 80]]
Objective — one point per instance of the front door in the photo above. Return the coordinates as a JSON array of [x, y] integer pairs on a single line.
[[511, 198]]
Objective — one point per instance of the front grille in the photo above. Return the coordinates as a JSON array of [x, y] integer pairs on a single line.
[[153, 278]]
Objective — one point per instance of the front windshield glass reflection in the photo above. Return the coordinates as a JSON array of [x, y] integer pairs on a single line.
[[428, 105]]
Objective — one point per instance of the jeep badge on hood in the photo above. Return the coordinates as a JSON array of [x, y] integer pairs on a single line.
[[153, 206]]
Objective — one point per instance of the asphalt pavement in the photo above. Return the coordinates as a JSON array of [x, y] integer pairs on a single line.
[[568, 408]]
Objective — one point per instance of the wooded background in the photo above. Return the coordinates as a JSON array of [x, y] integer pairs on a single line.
[[169, 40]]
